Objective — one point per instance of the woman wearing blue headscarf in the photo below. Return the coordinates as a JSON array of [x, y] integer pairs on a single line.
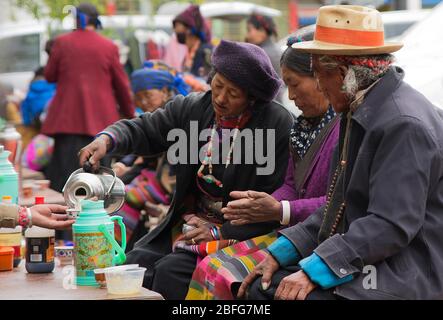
[[150, 181], [155, 84]]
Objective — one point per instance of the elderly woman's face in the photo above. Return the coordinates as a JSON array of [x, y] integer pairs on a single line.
[[227, 98], [330, 82], [151, 100], [303, 90]]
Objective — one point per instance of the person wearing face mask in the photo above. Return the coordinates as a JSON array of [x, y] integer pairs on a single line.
[[192, 30]]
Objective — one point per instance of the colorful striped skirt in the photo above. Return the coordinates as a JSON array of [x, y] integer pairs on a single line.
[[144, 188], [218, 274]]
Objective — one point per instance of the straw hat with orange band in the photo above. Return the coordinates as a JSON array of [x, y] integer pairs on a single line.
[[348, 30]]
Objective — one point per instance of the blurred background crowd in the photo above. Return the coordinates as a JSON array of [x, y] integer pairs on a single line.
[[162, 48]]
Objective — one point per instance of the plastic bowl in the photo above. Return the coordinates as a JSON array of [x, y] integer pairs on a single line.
[[100, 273], [124, 281]]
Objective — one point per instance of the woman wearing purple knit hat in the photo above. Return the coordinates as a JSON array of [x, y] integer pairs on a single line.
[[193, 31], [239, 104]]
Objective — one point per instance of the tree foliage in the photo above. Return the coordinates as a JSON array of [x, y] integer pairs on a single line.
[[54, 9]]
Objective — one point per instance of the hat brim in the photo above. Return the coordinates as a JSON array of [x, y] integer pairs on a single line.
[[319, 47]]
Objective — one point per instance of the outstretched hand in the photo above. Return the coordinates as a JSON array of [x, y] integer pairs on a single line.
[[50, 216], [251, 207]]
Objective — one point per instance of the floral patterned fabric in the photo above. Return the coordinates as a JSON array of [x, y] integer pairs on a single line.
[[305, 130]]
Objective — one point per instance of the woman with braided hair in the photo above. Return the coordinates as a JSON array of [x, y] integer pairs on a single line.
[[312, 141], [379, 234]]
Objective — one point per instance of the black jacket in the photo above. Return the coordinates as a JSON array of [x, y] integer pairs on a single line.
[[147, 135], [394, 199]]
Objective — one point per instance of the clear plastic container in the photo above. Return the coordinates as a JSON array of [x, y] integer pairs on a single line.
[[100, 273], [124, 281]]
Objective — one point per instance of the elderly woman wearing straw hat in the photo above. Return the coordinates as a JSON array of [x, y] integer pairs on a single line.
[[239, 102], [379, 234]]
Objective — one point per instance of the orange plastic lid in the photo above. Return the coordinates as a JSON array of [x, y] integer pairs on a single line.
[[5, 251]]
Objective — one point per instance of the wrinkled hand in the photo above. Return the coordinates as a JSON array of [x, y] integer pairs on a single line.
[[50, 216], [95, 151], [266, 269], [252, 207], [296, 286], [201, 233]]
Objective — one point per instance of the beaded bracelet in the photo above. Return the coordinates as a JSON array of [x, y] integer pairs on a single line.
[[28, 211], [215, 233], [24, 217]]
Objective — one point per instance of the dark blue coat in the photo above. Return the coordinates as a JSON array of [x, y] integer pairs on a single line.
[[393, 196]]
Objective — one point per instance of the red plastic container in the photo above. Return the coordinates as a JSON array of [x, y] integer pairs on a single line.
[[39, 200]]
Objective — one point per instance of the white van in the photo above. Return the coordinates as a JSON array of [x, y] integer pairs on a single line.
[[21, 52], [422, 56], [22, 43]]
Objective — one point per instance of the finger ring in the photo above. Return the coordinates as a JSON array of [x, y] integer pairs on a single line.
[[193, 241]]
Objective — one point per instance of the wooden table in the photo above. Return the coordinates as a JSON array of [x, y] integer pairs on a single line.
[[51, 196], [20, 285]]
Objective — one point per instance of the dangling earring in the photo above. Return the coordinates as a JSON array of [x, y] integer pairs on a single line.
[[343, 88]]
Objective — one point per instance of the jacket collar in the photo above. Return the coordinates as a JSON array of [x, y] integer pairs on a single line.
[[375, 98]]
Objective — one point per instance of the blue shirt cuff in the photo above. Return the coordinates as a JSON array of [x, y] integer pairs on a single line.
[[110, 135], [284, 252], [319, 272]]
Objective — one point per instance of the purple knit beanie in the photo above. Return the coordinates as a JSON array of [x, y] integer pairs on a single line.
[[249, 67]]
